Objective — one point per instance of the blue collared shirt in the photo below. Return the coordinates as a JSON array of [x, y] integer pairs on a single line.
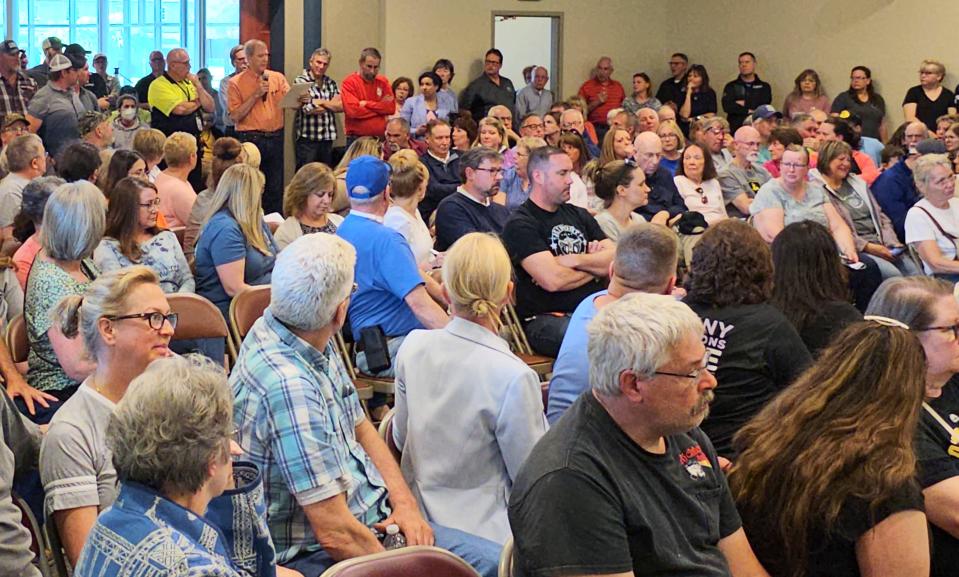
[[296, 412]]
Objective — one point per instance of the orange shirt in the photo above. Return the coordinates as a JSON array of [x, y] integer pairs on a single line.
[[266, 115]]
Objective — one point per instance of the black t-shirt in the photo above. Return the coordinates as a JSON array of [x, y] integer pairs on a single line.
[[832, 553], [672, 91], [832, 318], [755, 352], [927, 110], [703, 103], [530, 230], [143, 87], [589, 500], [871, 112], [938, 454]]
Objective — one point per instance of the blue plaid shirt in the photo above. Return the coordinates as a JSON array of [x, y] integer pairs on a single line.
[[296, 411]]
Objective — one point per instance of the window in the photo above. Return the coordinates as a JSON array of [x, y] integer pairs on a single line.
[[131, 30]]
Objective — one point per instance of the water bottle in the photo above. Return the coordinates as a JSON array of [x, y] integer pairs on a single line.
[[394, 539]]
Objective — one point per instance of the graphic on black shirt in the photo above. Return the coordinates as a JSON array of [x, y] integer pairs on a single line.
[[715, 341], [754, 186], [694, 459], [566, 239]]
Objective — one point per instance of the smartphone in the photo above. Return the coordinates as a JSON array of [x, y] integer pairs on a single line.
[[898, 250]]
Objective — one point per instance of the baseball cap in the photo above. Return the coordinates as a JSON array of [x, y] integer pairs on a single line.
[[12, 118], [90, 120], [766, 112], [99, 56], [930, 146], [77, 54], [10, 47], [367, 177], [59, 62], [52, 42]]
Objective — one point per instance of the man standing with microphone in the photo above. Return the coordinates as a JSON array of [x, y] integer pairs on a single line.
[[254, 105]]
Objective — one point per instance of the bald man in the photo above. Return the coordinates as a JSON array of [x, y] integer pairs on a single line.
[[602, 94], [741, 178], [664, 200]]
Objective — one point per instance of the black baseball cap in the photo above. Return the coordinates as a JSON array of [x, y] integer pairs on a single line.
[[77, 55], [10, 47]]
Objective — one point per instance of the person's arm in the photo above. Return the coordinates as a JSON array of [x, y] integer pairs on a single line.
[[351, 97], [942, 505], [897, 547], [405, 513], [16, 385], [231, 275], [841, 233], [883, 130], [686, 109], [867, 168], [909, 111], [425, 308], [731, 104], [74, 525], [552, 276], [742, 202], [595, 262], [19, 445], [205, 99], [185, 107], [740, 557], [434, 289], [769, 223], [386, 105], [520, 422], [70, 354], [340, 534], [930, 254]]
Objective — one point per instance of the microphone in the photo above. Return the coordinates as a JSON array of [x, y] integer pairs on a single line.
[[266, 78]]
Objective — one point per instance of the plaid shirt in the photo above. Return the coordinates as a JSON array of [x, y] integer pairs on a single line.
[[296, 411], [17, 97], [316, 126]]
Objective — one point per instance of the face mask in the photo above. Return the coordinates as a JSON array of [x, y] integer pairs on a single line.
[[128, 113]]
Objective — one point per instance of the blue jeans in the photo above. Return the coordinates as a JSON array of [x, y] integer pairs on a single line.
[[482, 554], [545, 333]]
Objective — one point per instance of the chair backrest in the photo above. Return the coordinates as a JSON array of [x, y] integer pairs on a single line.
[[245, 308], [339, 344], [200, 319], [506, 559], [386, 432], [37, 544], [179, 232], [17, 340], [412, 561], [514, 329]]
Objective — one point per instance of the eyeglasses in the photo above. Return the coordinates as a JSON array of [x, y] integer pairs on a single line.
[[152, 204], [534, 126], [954, 329], [488, 61], [155, 319], [928, 72], [504, 119], [491, 171], [792, 165], [717, 131], [749, 144], [693, 374]]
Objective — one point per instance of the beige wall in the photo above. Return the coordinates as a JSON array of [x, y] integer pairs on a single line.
[[889, 36]]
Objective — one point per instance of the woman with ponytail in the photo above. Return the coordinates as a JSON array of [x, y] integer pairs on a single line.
[[468, 411], [124, 323]]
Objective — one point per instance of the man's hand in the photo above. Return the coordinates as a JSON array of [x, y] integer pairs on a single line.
[[262, 87], [193, 79], [741, 103], [413, 526], [17, 387], [594, 246], [305, 98], [103, 103]]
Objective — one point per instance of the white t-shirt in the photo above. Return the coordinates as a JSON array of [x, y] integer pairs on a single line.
[[414, 230], [920, 228]]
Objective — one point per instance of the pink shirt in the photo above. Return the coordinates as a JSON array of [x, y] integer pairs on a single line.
[[176, 199], [24, 256]]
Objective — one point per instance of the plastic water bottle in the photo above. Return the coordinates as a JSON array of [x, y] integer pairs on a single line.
[[394, 539]]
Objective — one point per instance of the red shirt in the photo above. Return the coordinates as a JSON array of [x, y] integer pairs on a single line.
[[369, 119], [614, 98]]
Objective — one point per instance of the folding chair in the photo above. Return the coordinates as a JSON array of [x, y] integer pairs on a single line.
[[364, 390], [38, 545], [200, 319], [245, 308], [542, 364], [382, 385], [506, 559], [412, 561], [386, 432]]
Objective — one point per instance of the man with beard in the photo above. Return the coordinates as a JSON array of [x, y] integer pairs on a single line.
[[559, 252], [627, 465], [741, 178], [471, 208]]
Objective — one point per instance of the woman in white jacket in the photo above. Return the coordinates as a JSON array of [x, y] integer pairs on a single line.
[[468, 411]]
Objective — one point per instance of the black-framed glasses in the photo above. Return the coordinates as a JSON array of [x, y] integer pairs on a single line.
[[954, 329], [702, 195], [491, 171], [154, 319], [534, 126]]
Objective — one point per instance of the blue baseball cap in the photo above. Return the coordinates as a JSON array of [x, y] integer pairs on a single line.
[[367, 177]]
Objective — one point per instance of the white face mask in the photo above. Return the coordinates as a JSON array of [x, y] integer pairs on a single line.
[[128, 113]]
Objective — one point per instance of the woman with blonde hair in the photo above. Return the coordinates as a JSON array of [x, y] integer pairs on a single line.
[[929, 99], [461, 466], [227, 151], [363, 146], [235, 249], [827, 471], [491, 134], [307, 202], [124, 322], [673, 144], [407, 188]]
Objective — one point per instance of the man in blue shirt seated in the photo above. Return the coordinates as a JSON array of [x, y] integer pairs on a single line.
[[645, 261], [390, 292], [895, 190], [328, 477], [472, 208]]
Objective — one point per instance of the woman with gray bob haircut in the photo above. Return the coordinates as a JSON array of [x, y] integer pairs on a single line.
[[73, 222], [639, 332], [932, 224], [178, 510], [312, 278]]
